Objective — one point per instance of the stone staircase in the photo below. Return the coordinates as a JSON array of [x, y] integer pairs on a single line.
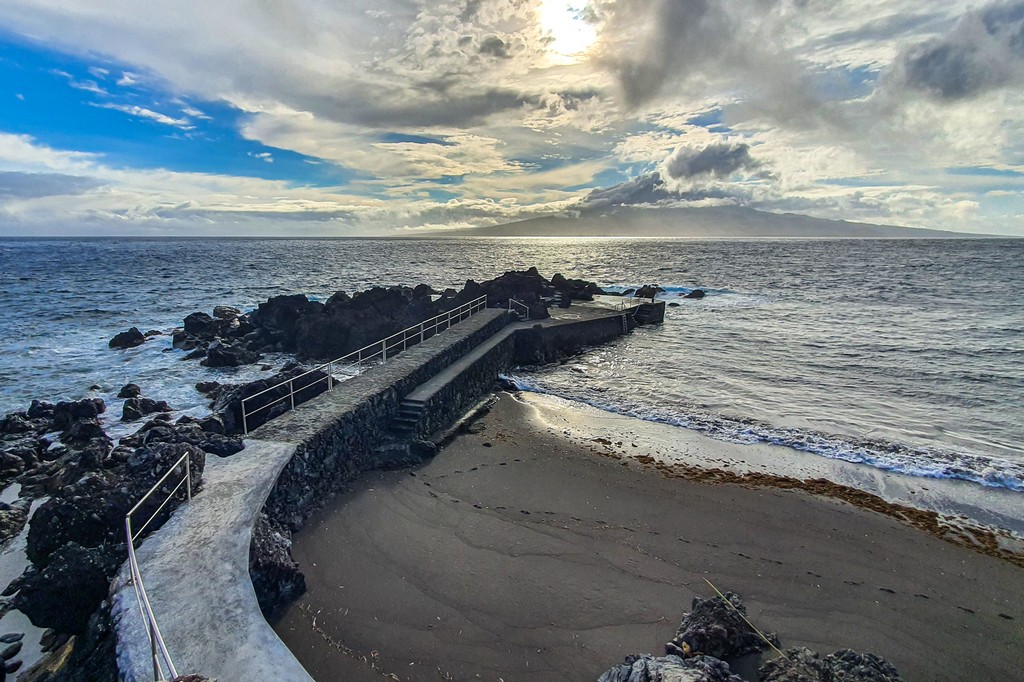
[[409, 414]]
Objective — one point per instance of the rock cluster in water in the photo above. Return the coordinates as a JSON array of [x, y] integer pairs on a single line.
[[60, 453], [342, 324], [714, 632]]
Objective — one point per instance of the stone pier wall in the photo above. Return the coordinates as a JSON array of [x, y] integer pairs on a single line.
[[338, 434]]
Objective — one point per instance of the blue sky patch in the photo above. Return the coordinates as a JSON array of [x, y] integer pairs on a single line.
[[105, 109]]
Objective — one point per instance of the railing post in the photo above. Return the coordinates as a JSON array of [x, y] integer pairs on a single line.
[[291, 391], [152, 651], [245, 424], [330, 376], [188, 475], [421, 332], [384, 350]]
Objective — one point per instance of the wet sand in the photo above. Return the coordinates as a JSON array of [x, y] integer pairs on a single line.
[[519, 553]]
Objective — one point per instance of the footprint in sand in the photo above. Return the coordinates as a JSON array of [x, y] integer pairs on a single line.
[[886, 589], [478, 506], [523, 511], [487, 445], [818, 576], [852, 582], [965, 609], [922, 596], [1006, 616]]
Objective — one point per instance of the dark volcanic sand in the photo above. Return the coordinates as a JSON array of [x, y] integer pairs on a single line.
[[535, 559]]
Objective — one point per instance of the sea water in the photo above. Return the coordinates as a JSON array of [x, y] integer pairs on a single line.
[[905, 356]]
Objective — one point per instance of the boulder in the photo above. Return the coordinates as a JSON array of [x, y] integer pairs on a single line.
[[129, 339], [226, 312], [716, 628], [221, 445], [670, 669], [202, 326], [648, 291], [129, 391], [65, 593], [229, 355], [207, 387], [40, 409], [65, 412], [275, 575], [137, 408], [575, 289], [803, 665], [82, 431], [696, 293]]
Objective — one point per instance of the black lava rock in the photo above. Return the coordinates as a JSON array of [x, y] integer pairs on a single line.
[[129, 391], [129, 339], [68, 590], [137, 408], [716, 628]]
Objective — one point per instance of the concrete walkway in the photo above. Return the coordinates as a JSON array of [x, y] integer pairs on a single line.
[[196, 572]]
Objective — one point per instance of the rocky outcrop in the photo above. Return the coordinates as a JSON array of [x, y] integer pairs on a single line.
[[219, 354], [713, 634], [129, 339], [696, 293], [344, 323], [138, 407], [129, 391], [716, 628], [275, 575], [670, 669], [575, 289], [76, 539], [803, 665], [228, 403], [648, 291]]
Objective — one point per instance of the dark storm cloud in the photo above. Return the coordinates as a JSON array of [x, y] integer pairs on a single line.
[[15, 185], [983, 51], [720, 160], [648, 188], [681, 30]]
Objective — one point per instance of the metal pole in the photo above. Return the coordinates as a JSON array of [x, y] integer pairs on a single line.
[[421, 332], [152, 651], [245, 424], [291, 391], [188, 475], [384, 350], [330, 376]]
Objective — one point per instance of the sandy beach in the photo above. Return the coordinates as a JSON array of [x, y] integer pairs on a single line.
[[523, 551]]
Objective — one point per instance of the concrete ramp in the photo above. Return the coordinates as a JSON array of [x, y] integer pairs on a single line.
[[196, 572]]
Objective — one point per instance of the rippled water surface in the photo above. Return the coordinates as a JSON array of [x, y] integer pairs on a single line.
[[906, 355]]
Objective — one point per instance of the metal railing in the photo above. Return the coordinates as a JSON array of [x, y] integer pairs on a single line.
[[518, 305], [157, 648], [633, 302], [378, 350]]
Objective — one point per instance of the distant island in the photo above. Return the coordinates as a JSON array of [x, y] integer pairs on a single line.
[[721, 222]]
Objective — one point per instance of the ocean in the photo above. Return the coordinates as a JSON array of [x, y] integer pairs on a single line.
[[898, 356]]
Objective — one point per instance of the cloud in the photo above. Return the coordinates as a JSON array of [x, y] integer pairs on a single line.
[[148, 114], [18, 185], [719, 160], [983, 51], [643, 189]]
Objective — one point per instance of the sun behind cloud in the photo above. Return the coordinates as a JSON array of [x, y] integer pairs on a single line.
[[572, 35]]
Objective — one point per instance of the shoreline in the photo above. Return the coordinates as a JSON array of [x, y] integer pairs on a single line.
[[537, 556]]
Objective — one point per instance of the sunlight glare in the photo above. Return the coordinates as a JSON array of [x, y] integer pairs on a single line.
[[571, 35]]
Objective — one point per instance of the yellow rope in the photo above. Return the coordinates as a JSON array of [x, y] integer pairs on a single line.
[[740, 614]]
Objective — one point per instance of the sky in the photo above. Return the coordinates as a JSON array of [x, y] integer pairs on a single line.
[[318, 117]]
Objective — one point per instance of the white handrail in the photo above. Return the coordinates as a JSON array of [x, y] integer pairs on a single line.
[[525, 307], [389, 345], [158, 649]]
